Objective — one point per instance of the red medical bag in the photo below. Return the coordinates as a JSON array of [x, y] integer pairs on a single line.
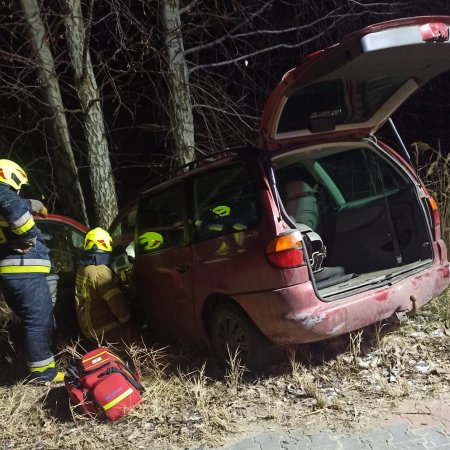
[[101, 384]]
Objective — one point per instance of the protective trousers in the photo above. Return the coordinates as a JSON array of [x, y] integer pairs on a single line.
[[30, 299]]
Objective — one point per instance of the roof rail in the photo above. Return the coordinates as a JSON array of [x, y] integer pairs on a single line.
[[199, 162]]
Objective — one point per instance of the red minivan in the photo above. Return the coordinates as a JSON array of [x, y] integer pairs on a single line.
[[319, 230]]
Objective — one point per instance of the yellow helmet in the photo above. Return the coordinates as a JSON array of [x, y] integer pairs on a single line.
[[150, 240], [221, 210], [100, 238], [12, 174]]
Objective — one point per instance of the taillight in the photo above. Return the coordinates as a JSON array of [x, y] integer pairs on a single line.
[[435, 218], [434, 211], [286, 251]]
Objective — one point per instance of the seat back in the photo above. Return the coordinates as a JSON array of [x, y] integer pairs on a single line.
[[301, 204]]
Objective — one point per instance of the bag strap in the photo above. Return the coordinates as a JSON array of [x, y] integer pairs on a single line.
[[74, 377], [129, 378], [116, 360], [88, 372]]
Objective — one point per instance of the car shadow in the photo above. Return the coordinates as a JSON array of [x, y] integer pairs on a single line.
[[56, 403]]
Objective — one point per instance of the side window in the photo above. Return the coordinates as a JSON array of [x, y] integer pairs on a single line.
[[65, 244], [361, 173], [225, 201], [161, 221]]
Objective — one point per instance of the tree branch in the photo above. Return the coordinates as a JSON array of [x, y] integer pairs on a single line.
[[263, 50], [87, 36], [236, 28], [188, 7]]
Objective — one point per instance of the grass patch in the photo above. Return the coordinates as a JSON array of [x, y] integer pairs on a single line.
[[194, 404]]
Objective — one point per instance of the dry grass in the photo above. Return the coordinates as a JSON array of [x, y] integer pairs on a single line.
[[189, 405], [434, 169]]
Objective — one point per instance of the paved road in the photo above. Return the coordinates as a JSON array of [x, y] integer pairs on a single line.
[[414, 425], [398, 436]]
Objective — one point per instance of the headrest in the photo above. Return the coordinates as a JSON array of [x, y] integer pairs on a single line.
[[297, 189]]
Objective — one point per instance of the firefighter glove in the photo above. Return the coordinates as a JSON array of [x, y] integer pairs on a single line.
[[38, 207]]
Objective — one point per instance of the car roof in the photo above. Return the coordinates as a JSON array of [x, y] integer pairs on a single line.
[[63, 219]]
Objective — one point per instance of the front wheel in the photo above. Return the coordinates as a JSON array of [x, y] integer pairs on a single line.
[[232, 332]]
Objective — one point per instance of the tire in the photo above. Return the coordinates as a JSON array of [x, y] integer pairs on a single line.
[[232, 329]]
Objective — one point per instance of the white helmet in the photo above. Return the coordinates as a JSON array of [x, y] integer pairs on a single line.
[[125, 260]]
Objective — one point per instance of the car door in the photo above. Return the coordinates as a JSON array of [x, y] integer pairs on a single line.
[[64, 237], [163, 265]]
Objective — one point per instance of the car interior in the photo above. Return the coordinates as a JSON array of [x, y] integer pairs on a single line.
[[365, 210]]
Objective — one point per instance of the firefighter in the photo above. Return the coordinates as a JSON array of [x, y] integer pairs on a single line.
[[24, 264], [102, 310]]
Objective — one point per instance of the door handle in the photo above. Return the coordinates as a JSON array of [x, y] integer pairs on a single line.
[[182, 268]]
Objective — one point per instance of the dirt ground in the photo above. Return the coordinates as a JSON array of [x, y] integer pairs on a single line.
[[347, 384]]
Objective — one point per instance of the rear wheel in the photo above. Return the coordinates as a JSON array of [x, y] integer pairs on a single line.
[[232, 332]]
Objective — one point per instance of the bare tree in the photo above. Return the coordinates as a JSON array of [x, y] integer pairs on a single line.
[[67, 173], [222, 59], [102, 180], [182, 120], [165, 81]]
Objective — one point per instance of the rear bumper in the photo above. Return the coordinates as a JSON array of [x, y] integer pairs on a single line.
[[295, 315]]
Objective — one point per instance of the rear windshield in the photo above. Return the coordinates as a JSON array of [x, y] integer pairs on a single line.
[[344, 101]]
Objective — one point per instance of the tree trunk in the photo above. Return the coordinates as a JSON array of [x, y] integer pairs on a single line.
[[102, 181], [66, 169], [182, 121]]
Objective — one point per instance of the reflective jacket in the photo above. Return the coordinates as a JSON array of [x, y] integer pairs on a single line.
[[101, 305], [22, 249]]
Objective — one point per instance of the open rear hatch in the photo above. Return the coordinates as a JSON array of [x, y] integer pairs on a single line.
[[370, 214], [351, 88]]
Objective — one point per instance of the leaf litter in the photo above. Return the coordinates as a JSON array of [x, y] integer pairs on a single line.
[[343, 385]]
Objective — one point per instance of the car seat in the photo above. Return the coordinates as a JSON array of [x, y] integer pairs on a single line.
[[301, 205]]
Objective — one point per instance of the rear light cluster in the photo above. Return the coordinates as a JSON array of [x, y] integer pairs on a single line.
[[432, 203], [286, 251], [435, 217]]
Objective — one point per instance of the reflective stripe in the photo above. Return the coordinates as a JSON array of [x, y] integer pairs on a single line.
[[21, 221], [97, 355], [111, 293], [84, 361], [23, 229], [40, 366], [25, 261], [239, 226], [215, 227], [83, 299], [114, 402], [223, 248], [23, 224], [24, 269]]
